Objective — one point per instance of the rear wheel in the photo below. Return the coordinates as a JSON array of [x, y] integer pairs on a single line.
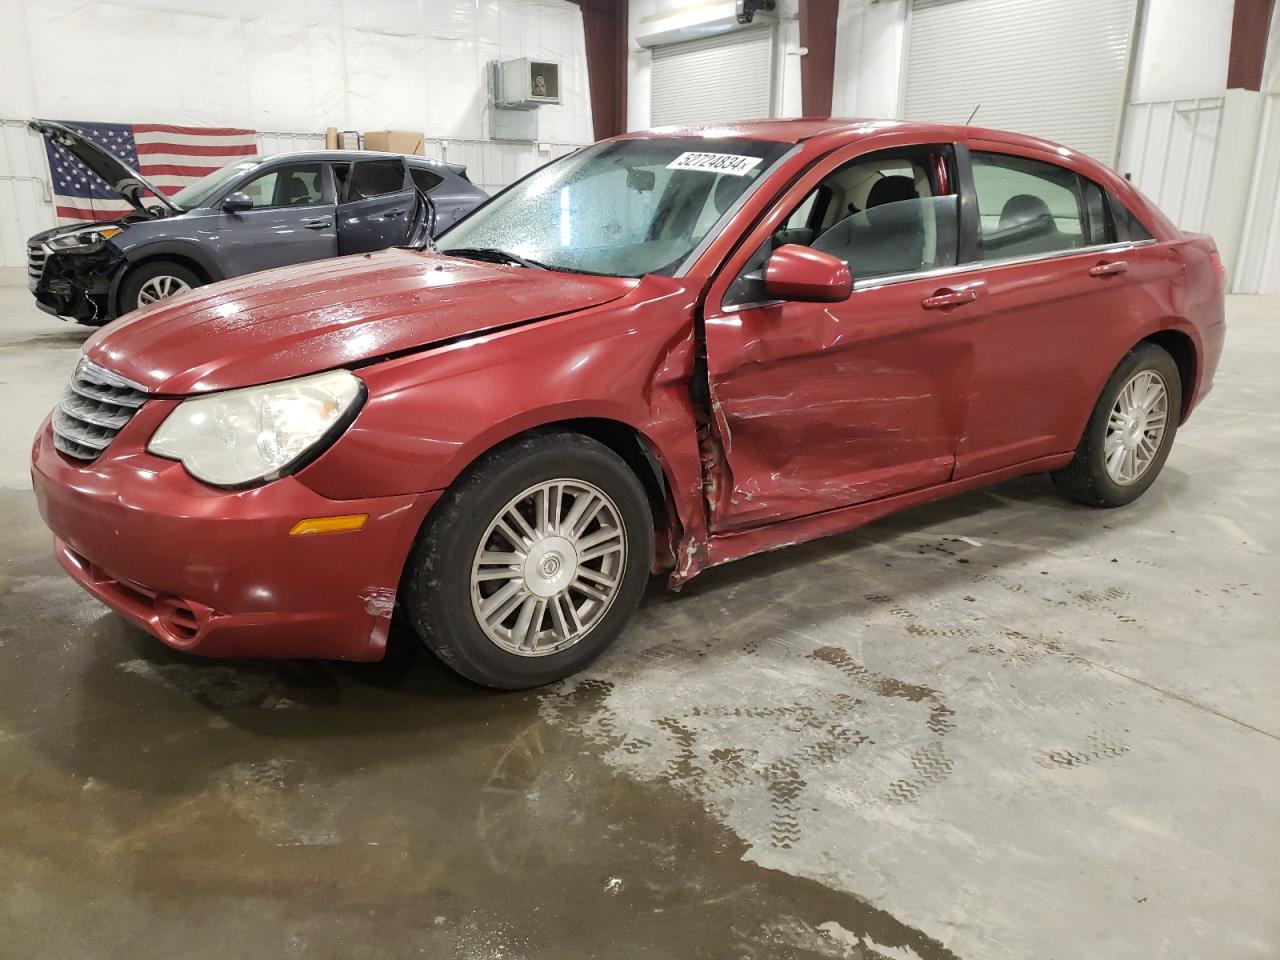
[[532, 565], [155, 281], [1129, 433]]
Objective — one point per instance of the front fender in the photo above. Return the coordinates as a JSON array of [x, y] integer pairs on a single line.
[[431, 415], [168, 249]]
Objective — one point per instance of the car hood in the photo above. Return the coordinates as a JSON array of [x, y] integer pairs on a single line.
[[118, 175], [331, 313]]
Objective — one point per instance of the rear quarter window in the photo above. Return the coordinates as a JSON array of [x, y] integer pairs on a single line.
[[1128, 227], [425, 180]]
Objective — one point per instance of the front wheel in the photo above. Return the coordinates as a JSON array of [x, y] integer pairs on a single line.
[[532, 564], [1129, 433], [153, 282]]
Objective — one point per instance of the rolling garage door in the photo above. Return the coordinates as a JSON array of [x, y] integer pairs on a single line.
[[721, 78], [1044, 67]]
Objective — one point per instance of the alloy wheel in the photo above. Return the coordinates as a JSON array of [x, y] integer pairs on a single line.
[[548, 567], [161, 288], [1136, 427]]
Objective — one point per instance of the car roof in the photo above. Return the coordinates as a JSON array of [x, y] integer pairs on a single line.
[[354, 155], [835, 130]]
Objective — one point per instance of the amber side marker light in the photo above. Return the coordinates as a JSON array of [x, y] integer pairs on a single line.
[[352, 521]]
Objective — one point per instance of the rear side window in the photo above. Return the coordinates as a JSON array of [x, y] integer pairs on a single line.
[[1128, 227], [1098, 223], [425, 180], [1025, 207], [373, 178]]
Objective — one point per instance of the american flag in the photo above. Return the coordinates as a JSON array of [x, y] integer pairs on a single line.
[[168, 156]]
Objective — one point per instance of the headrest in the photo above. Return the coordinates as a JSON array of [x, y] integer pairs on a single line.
[[891, 190], [1023, 208]]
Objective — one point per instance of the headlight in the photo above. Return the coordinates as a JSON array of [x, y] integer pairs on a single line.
[[84, 239], [240, 436]]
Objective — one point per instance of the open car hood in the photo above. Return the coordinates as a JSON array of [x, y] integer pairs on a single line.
[[117, 174], [331, 313]]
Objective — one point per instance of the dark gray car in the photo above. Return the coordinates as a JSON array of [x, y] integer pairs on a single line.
[[251, 215]]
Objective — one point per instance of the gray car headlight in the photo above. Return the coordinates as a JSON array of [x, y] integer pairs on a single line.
[[238, 437], [85, 239]]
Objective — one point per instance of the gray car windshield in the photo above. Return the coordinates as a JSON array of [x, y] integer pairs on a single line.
[[622, 208], [198, 193]]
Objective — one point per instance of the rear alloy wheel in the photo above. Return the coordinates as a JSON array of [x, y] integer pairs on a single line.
[[532, 564], [1136, 427], [1129, 433], [153, 282]]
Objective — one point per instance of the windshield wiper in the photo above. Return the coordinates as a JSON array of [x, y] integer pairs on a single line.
[[494, 255]]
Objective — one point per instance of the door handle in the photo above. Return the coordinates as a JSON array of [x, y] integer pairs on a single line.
[[1108, 268], [316, 224], [946, 297], [395, 213]]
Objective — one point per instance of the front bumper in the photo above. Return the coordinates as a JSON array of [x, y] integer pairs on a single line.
[[216, 572], [77, 285]]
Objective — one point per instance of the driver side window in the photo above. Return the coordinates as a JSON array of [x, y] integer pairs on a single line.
[[887, 214], [294, 185]]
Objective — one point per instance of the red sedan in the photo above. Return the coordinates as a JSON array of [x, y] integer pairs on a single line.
[[658, 354]]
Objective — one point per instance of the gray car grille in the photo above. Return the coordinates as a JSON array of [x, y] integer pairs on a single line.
[[95, 407], [37, 254]]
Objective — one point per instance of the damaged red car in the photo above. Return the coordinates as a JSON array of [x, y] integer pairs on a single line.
[[658, 354]]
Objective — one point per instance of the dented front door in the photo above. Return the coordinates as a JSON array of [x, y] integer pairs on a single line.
[[816, 406]]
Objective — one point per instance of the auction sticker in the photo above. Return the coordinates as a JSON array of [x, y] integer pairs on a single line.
[[730, 163]]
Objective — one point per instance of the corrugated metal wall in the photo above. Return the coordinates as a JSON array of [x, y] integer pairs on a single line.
[[1170, 150], [1043, 67], [26, 205], [1258, 269], [720, 78]]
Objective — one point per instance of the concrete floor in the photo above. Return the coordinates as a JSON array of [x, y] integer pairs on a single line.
[[1003, 726]]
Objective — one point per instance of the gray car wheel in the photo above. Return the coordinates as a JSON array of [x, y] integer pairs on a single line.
[[155, 281]]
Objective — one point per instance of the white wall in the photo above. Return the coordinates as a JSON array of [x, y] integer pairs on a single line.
[[868, 68], [1182, 50], [295, 66]]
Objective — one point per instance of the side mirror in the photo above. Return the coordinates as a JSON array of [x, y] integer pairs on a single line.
[[236, 202], [794, 272]]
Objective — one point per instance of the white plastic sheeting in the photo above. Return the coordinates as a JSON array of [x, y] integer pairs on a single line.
[[291, 67]]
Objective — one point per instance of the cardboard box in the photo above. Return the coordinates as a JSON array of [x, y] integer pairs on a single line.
[[396, 141]]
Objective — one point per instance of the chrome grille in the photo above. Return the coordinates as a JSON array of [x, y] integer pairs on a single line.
[[37, 254], [95, 407]]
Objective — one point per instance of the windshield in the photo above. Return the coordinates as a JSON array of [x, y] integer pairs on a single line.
[[622, 208], [195, 194]]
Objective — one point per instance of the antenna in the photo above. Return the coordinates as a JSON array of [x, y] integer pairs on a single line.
[[972, 115]]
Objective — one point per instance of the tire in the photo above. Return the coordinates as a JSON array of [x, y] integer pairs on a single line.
[[150, 276], [1087, 478], [449, 586]]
